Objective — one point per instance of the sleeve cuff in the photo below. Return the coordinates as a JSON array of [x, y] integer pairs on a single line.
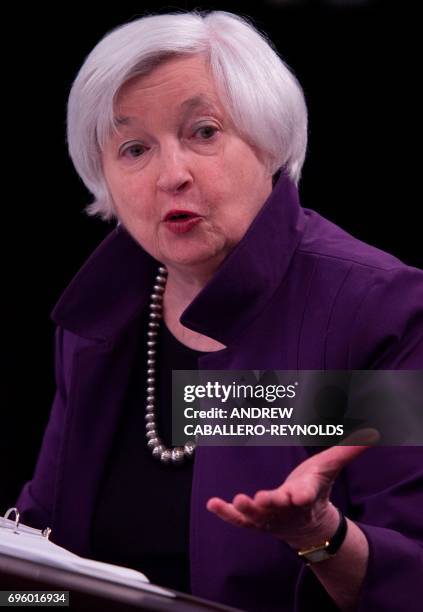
[[393, 579]]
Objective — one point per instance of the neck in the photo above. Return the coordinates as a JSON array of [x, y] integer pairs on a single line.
[[184, 285], [181, 289]]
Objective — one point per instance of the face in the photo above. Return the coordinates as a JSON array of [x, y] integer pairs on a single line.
[[177, 153]]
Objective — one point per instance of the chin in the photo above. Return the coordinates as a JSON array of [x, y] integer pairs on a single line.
[[191, 258]]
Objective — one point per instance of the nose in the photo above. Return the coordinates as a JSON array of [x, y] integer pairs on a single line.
[[174, 173]]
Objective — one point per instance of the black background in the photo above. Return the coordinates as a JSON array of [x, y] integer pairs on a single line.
[[358, 68]]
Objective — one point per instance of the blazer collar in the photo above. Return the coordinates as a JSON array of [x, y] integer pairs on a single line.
[[114, 284]]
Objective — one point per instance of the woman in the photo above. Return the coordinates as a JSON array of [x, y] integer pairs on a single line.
[[191, 133]]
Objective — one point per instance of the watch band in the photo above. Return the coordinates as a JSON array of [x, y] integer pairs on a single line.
[[327, 549]]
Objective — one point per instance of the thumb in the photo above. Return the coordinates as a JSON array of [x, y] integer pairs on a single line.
[[332, 460]]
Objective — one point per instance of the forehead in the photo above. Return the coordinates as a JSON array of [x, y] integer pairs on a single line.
[[182, 84]]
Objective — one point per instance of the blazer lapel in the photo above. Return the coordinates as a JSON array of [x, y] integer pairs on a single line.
[[100, 374]]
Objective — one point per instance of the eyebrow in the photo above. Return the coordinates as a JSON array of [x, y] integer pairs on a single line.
[[197, 102], [187, 106]]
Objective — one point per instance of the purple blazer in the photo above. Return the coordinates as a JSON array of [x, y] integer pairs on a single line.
[[296, 293]]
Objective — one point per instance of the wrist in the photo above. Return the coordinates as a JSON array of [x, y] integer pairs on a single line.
[[316, 533], [327, 548]]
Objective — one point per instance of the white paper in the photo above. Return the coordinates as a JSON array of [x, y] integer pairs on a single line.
[[27, 543]]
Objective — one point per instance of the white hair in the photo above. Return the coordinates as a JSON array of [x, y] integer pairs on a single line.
[[260, 93]]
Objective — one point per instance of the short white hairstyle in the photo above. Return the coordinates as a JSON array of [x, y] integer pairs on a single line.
[[260, 93]]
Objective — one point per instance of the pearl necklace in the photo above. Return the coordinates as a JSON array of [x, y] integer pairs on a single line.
[[177, 454]]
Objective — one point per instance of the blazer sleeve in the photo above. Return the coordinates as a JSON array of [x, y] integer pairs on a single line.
[[385, 484], [387, 328], [385, 488], [36, 500]]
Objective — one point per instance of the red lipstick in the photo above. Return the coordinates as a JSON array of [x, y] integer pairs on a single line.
[[181, 221]]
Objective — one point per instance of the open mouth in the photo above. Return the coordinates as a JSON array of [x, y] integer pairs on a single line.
[[180, 221], [180, 215]]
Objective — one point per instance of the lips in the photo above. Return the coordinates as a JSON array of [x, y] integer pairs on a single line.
[[176, 215], [179, 221]]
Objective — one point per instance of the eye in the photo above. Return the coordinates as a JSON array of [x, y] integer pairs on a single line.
[[135, 150], [206, 132]]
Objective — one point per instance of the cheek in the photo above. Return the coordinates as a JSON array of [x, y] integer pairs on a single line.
[[240, 171], [132, 198]]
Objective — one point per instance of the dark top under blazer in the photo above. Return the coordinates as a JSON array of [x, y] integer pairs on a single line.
[[141, 516]]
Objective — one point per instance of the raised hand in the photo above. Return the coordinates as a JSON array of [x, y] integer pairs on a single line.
[[299, 510]]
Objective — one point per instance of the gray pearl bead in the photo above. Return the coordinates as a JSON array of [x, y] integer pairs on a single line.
[[157, 451], [152, 433], [153, 442], [177, 455], [189, 448], [153, 324], [150, 408], [150, 390], [166, 456], [162, 270], [158, 289], [151, 425], [150, 417]]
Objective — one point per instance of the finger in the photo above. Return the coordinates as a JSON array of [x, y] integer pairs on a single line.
[[274, 499], [253, 512], [297, 492], [228, 513], [305, 491]]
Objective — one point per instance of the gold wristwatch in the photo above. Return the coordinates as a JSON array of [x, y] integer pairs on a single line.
[[329, 548]]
